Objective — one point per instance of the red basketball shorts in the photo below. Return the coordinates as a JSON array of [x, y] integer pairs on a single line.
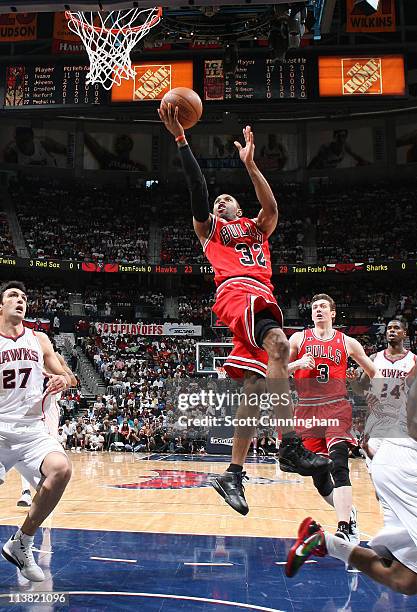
[[323, 426], [237, 301]]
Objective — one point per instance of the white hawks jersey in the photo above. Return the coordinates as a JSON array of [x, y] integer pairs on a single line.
[[21, 380], [52, 412], [393, 397]]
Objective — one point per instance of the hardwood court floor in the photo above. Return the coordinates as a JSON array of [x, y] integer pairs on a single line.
[[126, 492]]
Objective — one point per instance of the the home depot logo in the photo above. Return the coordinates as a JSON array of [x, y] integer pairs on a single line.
[[362, 76], [152, 81]]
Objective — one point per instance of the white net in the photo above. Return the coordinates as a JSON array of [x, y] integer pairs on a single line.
[[109, 38]]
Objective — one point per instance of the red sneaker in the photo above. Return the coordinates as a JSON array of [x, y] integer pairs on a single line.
[[310, 542]]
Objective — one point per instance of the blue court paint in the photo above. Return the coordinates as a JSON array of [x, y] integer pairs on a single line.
[[160, 582], [206, 458]]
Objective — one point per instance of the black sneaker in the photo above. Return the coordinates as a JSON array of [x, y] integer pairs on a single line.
[[294, 457], [230, 486]]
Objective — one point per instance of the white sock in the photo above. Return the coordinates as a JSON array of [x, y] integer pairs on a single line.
[[329, 499], [338, 547], [26, 539]]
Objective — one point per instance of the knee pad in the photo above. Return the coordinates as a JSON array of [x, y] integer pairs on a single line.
[[339, 454], [323, 483], [263, 323]]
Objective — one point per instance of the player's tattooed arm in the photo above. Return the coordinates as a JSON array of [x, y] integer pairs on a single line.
[[197, 186], [412, 410], [268, 216]]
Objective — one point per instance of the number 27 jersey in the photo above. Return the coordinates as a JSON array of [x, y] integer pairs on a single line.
[[238, 248]]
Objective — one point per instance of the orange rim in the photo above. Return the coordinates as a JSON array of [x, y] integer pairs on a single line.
[[87, 26]]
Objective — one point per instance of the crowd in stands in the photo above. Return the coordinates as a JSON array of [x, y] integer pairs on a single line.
[[366, 225], [124, 302], [83, 223], [7, 247], [47, 301], [195, 308], [94, 224]]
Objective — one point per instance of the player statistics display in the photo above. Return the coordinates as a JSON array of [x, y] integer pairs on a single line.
[[50, 84], [379, 75], [256, 79], [153, 80]]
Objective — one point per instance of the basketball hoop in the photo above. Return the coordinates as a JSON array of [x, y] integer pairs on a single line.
[[109, 38]]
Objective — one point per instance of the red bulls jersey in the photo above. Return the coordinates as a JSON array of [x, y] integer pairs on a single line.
[[328, 379], [238, 248]]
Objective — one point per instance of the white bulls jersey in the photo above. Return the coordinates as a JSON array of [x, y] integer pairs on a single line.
[[52, 412], [393, 397], [21, 380]]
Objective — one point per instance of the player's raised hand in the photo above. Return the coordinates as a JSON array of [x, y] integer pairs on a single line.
[[246, 152], [169, 117], [307, 362]]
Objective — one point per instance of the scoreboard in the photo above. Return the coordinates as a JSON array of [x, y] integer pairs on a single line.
[[256, 79], [34, 85]]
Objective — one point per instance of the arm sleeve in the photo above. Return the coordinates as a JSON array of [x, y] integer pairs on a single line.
[[196, 183]]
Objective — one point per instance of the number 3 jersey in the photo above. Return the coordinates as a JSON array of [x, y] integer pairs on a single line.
[[21, 380], [238, 248], [327, 381]]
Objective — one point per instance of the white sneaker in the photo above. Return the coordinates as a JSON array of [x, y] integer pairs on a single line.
[[25, 500], [18, 550], [354, 533], [78, 450]]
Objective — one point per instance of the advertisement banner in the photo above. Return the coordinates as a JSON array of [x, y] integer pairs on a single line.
[[383, 20], [27, 146], [149, 329], [124, 152], [352, 76], [341, 147], [64, 41], [153, 80], [15, 27]]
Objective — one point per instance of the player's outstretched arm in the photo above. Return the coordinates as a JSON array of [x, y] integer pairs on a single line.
[[268, 217], [196, 182], [355, 350]]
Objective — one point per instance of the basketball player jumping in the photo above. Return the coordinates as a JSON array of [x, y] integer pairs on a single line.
[[50, 409], [395, 363], [24, 443], [319, 358], [393, 558], [237, 248]]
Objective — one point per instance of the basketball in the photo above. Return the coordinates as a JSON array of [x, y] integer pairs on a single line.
[[189, 104]]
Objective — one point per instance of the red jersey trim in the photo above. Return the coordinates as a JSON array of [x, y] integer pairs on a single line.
[[395, 360], [344, 343], [14, 338], [210, 236], [303, 341], [248, 280]]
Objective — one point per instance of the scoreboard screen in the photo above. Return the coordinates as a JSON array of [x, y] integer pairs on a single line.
[[50, 84], [256, 79]]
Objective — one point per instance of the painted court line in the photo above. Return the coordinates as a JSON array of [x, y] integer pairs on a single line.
[[209, 564], [284, 562], [110, 559], [223, 602]]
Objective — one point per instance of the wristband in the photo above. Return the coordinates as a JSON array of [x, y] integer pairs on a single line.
[[180, 138]]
